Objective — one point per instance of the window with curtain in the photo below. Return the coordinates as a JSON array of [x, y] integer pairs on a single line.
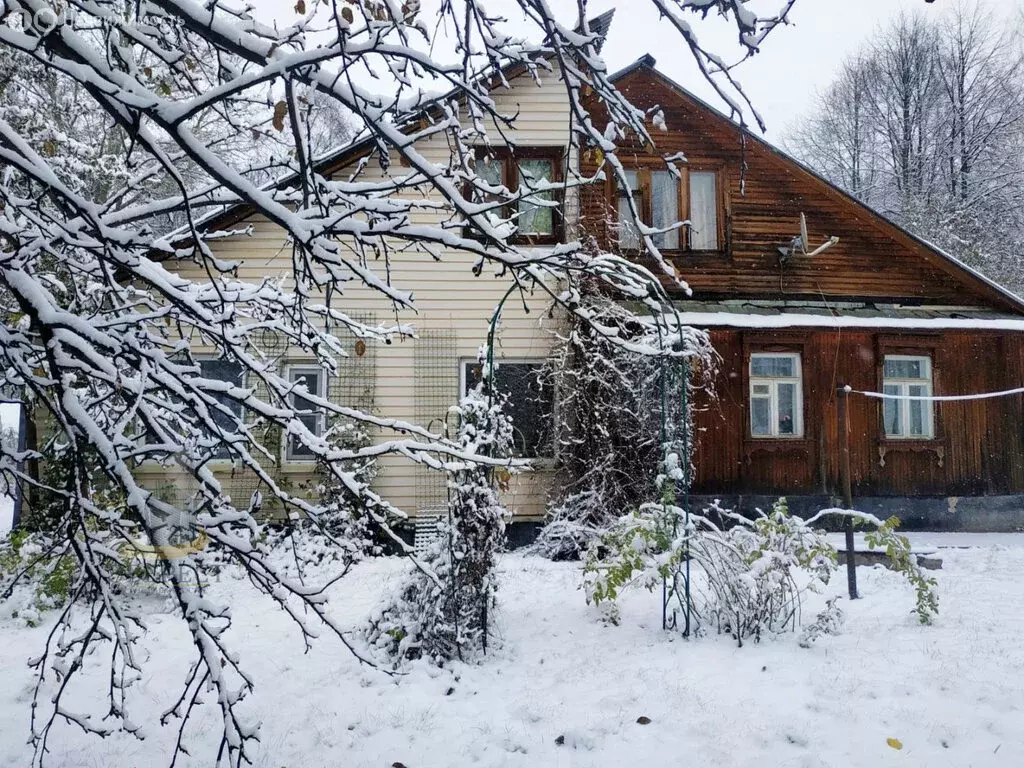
[[776, 395], [660, 200], [905, 377], [525, 169], [703, 211], [311, 415], [665, 208]]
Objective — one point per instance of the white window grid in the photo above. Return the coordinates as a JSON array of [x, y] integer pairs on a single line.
[[900, 386], [772, 383], [293, 373]]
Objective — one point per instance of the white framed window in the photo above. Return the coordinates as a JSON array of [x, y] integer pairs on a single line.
[[906, 376], [530, 403], [309, 414], [776, 395]]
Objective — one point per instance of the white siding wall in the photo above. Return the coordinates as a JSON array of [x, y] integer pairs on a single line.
[[454, 310]]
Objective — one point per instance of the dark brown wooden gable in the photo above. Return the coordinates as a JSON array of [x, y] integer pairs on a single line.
[[873, 260]]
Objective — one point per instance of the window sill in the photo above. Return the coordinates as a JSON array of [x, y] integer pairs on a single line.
[[543, 463], [676, 253], [218, 465], [694, 254], [778, 440], [298, 466], [752, 445], [936, 445]]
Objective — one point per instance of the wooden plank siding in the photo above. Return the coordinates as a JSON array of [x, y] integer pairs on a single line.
[[872, 260], [979, 444]]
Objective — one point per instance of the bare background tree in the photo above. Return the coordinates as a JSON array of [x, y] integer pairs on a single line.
[[926, 124]]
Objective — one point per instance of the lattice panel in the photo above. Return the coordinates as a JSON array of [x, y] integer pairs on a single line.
[[436, 372], [355, 383]]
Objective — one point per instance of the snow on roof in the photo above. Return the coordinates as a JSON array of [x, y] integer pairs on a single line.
[[794, 320]]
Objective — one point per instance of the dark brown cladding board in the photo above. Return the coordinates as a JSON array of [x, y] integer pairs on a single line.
[[873, 259], [979, 445]]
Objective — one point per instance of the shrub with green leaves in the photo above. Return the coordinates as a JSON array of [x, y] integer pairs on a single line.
[[748, 576], [902, 560], [750, 573]]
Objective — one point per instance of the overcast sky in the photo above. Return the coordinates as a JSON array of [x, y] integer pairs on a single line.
[[795, 61]]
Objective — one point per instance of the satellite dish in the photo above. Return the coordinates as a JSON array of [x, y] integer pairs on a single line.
[[799, 245]]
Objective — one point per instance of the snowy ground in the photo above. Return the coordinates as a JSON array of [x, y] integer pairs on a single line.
[[951, 693], [936, 541]]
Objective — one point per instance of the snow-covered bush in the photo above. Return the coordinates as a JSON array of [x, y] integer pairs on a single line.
[[345, 526], [757, 571], [752, 573], [829, 621], [748, 576], [35, 576], [613, 405], [441, 612]]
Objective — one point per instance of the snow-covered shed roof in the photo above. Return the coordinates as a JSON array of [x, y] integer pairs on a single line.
[[771, 315]]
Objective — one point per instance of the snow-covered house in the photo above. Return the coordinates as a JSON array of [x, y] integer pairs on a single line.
[[880, 310]]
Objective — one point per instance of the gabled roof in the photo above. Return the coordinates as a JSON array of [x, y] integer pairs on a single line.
[[364, 142], [952, 265]]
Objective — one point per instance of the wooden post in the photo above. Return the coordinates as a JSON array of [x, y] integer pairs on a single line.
[[844, 481]]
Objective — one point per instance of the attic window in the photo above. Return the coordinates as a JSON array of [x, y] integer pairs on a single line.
[[523, 169], [659, 196]]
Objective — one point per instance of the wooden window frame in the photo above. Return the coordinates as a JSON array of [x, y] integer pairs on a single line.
[[509, 159], [644, 168], [787, 342]]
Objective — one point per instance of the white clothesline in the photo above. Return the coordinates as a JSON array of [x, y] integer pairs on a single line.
[[940, 398]]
